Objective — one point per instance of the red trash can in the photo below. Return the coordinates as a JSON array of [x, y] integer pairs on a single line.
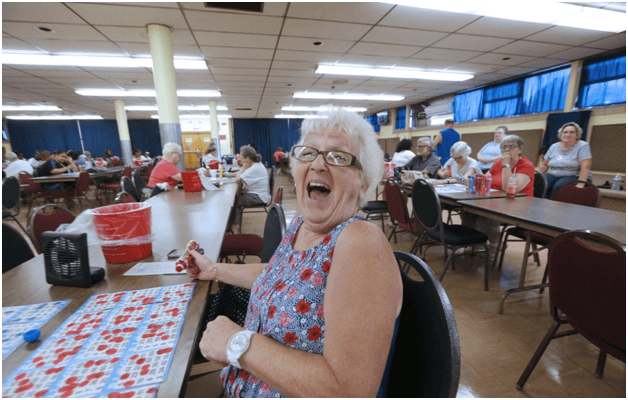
[[128, 227]]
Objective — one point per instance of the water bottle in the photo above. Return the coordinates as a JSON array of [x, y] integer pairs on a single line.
[[470, 185], [616, 180], [512, 188]]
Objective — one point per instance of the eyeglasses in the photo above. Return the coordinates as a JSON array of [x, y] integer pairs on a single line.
[[508, 147], [420, 147], [335, 158]]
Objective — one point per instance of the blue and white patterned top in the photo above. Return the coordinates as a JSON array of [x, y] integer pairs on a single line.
[[286, 304]]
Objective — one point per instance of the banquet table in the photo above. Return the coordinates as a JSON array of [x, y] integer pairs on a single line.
[[73, 177], [177, 217]]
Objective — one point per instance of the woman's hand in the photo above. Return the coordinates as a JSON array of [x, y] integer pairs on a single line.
[[213, 344], [506, 158], [201, 267]]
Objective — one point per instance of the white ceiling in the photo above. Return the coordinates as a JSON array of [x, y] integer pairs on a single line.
[[258, 60]]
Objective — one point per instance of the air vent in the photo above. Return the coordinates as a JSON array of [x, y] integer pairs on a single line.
[[244, 6], [244, 109]]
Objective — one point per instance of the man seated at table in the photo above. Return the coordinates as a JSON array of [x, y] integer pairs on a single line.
[[16, 165], [58, 163], [166, 170], [425, 160], [85, 160], [512, 163]]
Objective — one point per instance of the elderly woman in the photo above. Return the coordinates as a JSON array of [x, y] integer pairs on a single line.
[[491, 151], [403, 153], [425, 160], [166, 170], [568, 160], [460, 163], [314, 327], [210, 154]]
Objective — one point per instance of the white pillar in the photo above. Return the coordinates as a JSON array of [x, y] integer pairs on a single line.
[[123, 132], [215, 127]]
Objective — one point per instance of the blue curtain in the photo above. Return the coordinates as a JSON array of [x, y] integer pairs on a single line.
[[603, 81], [144, 135], [372, 119], [29, 136], [400, 122], [545, 92], [268, 134], [467, 106], [99, 136], [502, 100]]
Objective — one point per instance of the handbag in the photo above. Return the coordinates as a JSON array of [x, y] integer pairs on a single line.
[[408, 177], [230, 301]]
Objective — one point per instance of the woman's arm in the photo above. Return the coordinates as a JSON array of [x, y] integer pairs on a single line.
[[362, 300], [242, 275], [543, 166], [177, 177], [585, 167]]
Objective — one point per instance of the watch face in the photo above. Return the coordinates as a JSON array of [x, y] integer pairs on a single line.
[[238, 343]]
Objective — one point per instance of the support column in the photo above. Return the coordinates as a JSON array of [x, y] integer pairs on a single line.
[[160, 40], [574, 85], [123, 132], [215, 127]]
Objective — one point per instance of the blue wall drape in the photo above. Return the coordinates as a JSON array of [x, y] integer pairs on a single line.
[[268, 134], [400, 121], [545, 92], [29, 136], [603, 81], [145, 136], [467, 106], [502, 100]]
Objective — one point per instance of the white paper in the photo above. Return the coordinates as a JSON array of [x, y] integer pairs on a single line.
[[208, 183], [154, 268]]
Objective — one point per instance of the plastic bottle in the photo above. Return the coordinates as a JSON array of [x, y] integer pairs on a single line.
[[489, 180], [511, 188], [449, 171], [483, 189], [616, 180], [477, 185], [471, 186]]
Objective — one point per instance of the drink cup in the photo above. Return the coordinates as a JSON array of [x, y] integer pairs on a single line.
[[213, 173]]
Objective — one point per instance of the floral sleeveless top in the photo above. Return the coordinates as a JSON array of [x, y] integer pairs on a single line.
[[286, 304]]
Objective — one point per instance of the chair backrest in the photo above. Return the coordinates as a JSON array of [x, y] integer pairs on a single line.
[[126, 185], [15, 248], [42, 221], [27, 179], [138, 181], [82, 184], [426, 358], [426, 204], [271, 183], [127, 171], [155, 161], [396, 202], [540, 184], [11, 194], [278, 195], [125, 197], [149, 169], [274, 231], [589, 195], [588, 284]]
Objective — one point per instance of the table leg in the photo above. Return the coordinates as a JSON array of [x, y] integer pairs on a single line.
[[522, 276]]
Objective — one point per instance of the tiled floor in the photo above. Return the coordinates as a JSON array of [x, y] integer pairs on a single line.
[[495, 348]]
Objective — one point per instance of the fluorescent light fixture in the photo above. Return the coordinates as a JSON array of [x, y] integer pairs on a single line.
[[320, 108], [181, 108], [32, 107], [143, 93], [95, 61], [53, 117], [347, 96], [547, 12], [303, 116], [404, 73], [201, 116]]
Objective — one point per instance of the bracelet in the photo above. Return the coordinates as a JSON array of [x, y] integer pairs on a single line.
[[215, 271]]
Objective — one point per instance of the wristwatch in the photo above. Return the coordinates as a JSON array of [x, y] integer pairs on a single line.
[[506, 166], [238, 345]]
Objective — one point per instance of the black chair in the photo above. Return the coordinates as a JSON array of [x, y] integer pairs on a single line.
[[261, 207], [15, 249], [426, 359], [587, 291], [126, 185], [428, 211], [374, 208], [11, 199], [143, 190], [124, 197]]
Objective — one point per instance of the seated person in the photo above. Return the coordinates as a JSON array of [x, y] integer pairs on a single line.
[[256, 189], [568, 160], [108, 158], [137, 157], [280, 156], [35, 161], [146, 156], [501, 171], [425, 160], [403, 153], [460, 163], [491, 151], [210, 154], [85, 160], [166, 170], [58, 163], [314, 326], [16, 165]]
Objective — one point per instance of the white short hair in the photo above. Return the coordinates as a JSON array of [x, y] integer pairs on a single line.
[[172, 148], [460, 149], [11, 156], [427, 140], [361, 133]]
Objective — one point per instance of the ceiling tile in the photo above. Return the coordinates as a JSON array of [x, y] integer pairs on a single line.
[[239, 71], [307, 66], [28, 30], [123, 15], [278, 8], [246, 78], [432, 53], [499, 59], [306, 44], [426, 64], [143, 49], [575, 53], [567, 35], [370, 60], [235, 40], [212, 52], [378, 49], [412, 17], [237, 63], [503, 28], [614, 42], [323, 29], [285, 72], [39, 12], [534, 49], [516, 71], [10, 45], [543, 63], [410, 37], [471, 42], [86, 47], [236, 23], [366, 13], [474, 68], [288, 55]]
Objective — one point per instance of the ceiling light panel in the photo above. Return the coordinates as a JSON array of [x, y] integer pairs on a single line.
[[393, 73], [346, 96]]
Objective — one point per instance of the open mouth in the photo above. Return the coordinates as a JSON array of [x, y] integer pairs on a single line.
[[316, 190]]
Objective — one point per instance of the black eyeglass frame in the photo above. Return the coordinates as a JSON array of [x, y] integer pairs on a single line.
[[352, 163], [509, 147]]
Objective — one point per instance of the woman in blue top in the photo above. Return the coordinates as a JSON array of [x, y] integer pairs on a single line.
[[491, 151], [314, 327]]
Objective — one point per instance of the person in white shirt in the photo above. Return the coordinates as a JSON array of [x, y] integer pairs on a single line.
[[460, 163], [210, 154], [146, 156], [255, 178], [403, 153], [16, 165], [35, 160]]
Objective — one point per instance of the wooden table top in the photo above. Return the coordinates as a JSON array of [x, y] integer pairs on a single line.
[[550, 217], [177, 217], [73, 177], [452, 198]]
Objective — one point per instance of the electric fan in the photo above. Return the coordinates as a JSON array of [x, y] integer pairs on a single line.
[[67, 261]]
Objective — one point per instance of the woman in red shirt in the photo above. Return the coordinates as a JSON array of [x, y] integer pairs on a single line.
[[166, 170]]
